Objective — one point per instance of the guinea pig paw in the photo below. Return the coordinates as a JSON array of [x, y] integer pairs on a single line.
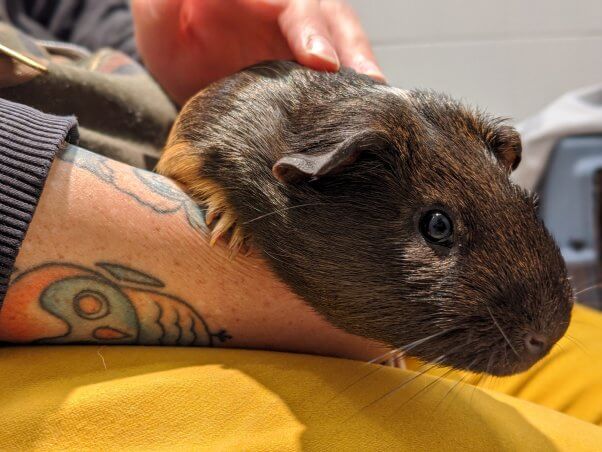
[[210, 215], [222, 226], [226, 228], [238, 242]]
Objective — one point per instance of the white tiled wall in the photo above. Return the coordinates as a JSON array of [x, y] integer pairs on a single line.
[[508, 56]]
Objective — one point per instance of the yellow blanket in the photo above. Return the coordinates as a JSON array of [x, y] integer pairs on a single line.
[[112, 398]]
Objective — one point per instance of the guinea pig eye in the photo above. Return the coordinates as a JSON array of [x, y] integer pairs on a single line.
[[436, 227]]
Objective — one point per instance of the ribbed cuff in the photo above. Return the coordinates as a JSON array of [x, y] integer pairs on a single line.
[[29, 140]]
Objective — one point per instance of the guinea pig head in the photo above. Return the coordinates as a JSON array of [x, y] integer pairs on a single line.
[[412, 233]]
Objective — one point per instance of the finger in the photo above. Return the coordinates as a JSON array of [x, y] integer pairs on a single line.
[[350, 40], [268, 9], [306, 32]]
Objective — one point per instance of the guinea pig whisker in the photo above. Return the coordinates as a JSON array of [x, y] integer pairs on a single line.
[[367, 374], [450, 390], [397, 388], [482, 377], [476, 385], [379, 358], [412, 345], [398, 352], [394, 360], [502, 331], [489, 366], [560, 346], [260, 217], [576, 342], [427, 368], [274, 257], [595, 286], [425, 389], [464, 383]]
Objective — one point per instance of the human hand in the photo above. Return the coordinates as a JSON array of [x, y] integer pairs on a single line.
[[187, 44]]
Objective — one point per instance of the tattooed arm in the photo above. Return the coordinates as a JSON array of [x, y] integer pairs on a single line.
[[118, 255]]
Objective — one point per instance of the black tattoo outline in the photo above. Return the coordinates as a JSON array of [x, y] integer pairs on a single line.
[[93, 275], [99, 166], [176, 323], [159, 323], [127, 274], [222, 335], [94, 316]]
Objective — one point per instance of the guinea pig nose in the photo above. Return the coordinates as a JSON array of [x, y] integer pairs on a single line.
[[535, 343]]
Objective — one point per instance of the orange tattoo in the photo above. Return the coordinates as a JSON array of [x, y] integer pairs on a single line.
[[66, 303]]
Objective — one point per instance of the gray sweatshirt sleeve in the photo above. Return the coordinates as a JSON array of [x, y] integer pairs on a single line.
[[29, 141]]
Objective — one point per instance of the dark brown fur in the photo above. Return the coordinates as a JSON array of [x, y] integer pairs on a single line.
[[346, 240]]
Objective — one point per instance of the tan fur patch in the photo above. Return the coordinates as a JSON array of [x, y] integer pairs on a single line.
[[183, 164]]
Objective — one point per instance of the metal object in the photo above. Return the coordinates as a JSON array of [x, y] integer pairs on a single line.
[[571, 207], [23, 58]]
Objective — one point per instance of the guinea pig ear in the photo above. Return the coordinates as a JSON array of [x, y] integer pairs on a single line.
[[504, 142], [301, 166]]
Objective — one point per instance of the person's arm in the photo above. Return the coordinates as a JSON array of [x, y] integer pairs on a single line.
[[118, 255]]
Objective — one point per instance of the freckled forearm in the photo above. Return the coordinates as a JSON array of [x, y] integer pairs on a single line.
[[107, 259], [117, 255]]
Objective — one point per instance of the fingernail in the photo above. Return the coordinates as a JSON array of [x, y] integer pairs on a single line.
[[319, 46], [368, 67]]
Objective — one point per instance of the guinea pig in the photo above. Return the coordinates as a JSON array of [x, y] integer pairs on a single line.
[[390, 212]]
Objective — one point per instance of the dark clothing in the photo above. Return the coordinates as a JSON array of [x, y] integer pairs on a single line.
[[29, 140], [122, 113], [92, 24]]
